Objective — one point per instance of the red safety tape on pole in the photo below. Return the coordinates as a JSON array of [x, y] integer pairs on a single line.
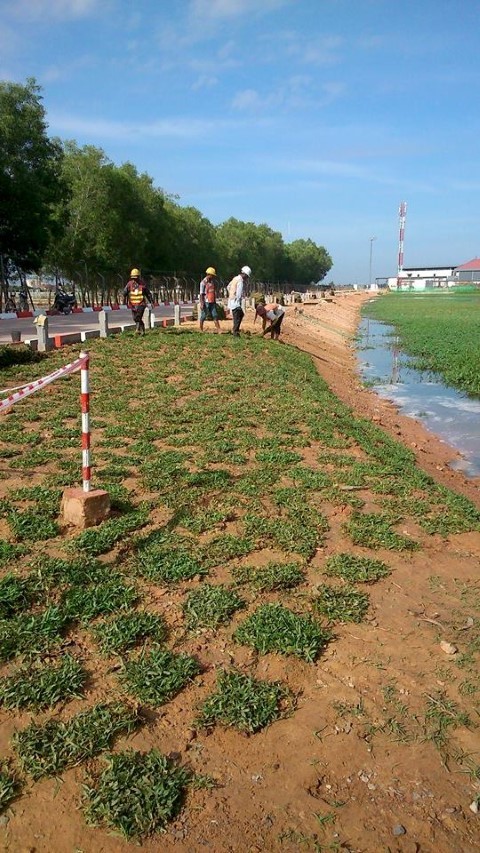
[[82, 363], [38, 384]]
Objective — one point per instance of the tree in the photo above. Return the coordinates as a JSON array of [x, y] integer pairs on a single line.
[[308, 262], [30, 180]]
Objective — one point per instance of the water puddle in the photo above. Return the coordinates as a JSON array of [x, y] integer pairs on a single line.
[[453, 416]]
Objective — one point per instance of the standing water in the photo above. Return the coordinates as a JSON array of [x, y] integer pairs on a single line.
[[449, 413]]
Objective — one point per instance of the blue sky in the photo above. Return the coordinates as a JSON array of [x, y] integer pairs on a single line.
[[317, 117]]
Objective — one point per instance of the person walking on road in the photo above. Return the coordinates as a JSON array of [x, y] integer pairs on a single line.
[[137, 295], [273, 313], [208, 298], [235, 296]]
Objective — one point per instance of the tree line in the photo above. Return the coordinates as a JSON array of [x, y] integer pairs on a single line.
[[69, 212]]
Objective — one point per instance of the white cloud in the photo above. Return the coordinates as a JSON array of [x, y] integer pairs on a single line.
[[219, 10], [205, 81], [102, 129], [297, 92], [33, 10]]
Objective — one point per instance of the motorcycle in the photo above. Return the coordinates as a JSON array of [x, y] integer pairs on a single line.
[[64, 302]]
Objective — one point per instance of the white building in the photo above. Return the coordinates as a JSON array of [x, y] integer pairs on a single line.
[[419, 278]]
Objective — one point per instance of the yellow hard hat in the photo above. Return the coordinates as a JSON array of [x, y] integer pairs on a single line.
[[135, 273], [211, 271]]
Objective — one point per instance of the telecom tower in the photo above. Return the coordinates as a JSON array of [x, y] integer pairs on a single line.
[[402, 214]]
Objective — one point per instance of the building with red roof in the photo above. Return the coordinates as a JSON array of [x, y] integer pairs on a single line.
[[467, 272]]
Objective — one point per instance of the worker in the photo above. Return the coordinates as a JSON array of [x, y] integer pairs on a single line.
[[235, 295], [273, 313], [208, 298], [137, 295]]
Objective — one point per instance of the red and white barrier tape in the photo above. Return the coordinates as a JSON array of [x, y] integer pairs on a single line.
[[81, 364], [31, 387]]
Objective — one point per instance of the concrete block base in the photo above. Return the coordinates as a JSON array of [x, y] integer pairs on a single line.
[[85, 509]]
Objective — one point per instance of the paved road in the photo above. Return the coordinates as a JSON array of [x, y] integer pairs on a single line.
[[77, 322]]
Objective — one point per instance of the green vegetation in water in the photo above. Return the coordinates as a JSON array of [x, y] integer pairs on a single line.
[[439, 331]]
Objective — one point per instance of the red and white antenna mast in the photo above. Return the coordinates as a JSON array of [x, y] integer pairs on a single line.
[[402, 214]]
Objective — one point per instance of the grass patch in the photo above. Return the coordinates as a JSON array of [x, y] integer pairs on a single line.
[[244, 702], [210, 606], [157, 675], [441, 716], [356, 569], [54, 571], [124, 632], [99, 540], [373, 530], [168, 558], [273, 576], [31, 635], [9, 786], [9, 552], [137, 794], [85, 603], [18, 594], [344, 604], [43, 685], [49, 749], [274, 628], [226, 547], [32, 525]]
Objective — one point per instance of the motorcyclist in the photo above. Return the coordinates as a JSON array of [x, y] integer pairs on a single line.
[[137, 295]]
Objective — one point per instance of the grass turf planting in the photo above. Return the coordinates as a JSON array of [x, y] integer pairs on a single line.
[[125, 631], [43, 685], [137, 794], [202, 480], [355, 569], [158, 675], [439, 331], [273, 576], [210, 606], [274, 628], [31, 634], [44, 750], [9, 786], [341, 604], [245, 703]]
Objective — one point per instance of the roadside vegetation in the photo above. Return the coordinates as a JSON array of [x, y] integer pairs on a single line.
[[218, 555], [440, 331]]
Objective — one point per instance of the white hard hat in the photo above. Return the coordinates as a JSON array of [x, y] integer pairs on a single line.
[[246, 270]]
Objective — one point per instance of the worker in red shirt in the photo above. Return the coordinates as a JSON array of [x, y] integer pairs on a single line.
[[137, 296]]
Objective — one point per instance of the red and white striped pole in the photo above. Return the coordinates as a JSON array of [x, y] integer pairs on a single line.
[[85, 402]]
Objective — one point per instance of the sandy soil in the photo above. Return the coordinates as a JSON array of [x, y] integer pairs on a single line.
[[327, 778]]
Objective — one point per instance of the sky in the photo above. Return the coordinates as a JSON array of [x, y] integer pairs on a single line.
[[317, 117]]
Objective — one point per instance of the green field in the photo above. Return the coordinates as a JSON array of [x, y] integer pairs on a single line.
[[441, 332], [213, 450]]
